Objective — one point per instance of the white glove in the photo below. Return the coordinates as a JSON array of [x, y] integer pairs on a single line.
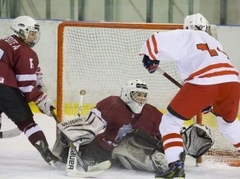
[[213, 31], [39, 81], [44, 104]]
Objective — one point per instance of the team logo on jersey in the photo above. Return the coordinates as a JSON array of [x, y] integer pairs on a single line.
[[122, 132]]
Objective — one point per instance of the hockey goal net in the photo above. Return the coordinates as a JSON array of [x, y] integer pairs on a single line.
[[100, 57]]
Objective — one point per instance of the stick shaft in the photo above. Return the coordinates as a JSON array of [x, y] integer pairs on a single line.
[[169, 77], [81, 98], [80, 105]]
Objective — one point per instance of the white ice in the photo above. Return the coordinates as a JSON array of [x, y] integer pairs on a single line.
[[20, 160]]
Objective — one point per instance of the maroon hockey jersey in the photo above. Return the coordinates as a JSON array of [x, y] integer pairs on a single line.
[[18, 64], [120, 119]]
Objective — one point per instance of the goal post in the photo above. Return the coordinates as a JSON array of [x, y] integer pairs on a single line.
[[100, 57]]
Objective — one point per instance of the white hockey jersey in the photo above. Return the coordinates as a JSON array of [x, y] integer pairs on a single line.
[[199, 57]]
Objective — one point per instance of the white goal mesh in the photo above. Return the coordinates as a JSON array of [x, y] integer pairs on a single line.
[[101, 57], [101, 60]]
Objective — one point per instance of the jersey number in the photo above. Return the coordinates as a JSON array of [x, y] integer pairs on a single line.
[[212, 52]]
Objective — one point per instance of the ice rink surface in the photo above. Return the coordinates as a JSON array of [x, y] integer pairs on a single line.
[[20, 160]]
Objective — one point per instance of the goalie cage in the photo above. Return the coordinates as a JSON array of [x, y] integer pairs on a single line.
[[101, 56]]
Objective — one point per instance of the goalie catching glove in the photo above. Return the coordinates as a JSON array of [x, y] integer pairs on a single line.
[[83, 130], [197, 140]]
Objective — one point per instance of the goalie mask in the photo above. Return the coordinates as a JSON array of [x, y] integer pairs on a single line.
[[196, 22], [27, 29], [135, 93]]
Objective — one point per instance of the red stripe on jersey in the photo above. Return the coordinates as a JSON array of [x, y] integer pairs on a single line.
[[155, 49], [219, 73], [154, 41], [150, 50], [237, 145], [212, 67]]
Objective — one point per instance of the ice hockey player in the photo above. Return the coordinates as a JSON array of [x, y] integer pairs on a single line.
[[209, 79], [20, 79], [124, 129]]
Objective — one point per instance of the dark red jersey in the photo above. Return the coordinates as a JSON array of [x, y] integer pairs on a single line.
[[18, 63], [120, 119]]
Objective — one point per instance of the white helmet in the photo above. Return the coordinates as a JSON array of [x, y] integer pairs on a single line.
[[196, 22], [22, 25], [135, 93]]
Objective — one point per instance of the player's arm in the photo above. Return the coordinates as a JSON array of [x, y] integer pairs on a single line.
[[27, 79]]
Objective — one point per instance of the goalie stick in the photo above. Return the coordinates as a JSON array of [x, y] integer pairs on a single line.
[[74, 157], [82, 94], [93, 171], [73, 153], [70, 143]]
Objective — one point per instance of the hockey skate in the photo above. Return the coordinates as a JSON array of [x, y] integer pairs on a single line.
[[175, 171], [45, 152]]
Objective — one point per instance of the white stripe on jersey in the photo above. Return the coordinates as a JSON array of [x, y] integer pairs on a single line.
[[26, 89], [26, 77]]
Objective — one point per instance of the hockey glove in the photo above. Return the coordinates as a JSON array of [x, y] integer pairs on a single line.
[[150, 65], [44, 104]]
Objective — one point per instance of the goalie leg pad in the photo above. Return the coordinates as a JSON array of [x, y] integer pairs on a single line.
[[82, 130], [197, 140], [135, 151]]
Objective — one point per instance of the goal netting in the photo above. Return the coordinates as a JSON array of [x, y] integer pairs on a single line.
[[101, 57]]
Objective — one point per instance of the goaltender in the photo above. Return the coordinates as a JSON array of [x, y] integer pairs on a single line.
[[124, 129]]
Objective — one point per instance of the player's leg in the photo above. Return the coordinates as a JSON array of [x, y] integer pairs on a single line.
[[14, 105], [226, 109], [189, 101]]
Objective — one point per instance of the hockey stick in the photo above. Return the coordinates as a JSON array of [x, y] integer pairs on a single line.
[[73, 156], [169, 77], [8, 133], [73, 153], [82, 94], [70, 143]]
